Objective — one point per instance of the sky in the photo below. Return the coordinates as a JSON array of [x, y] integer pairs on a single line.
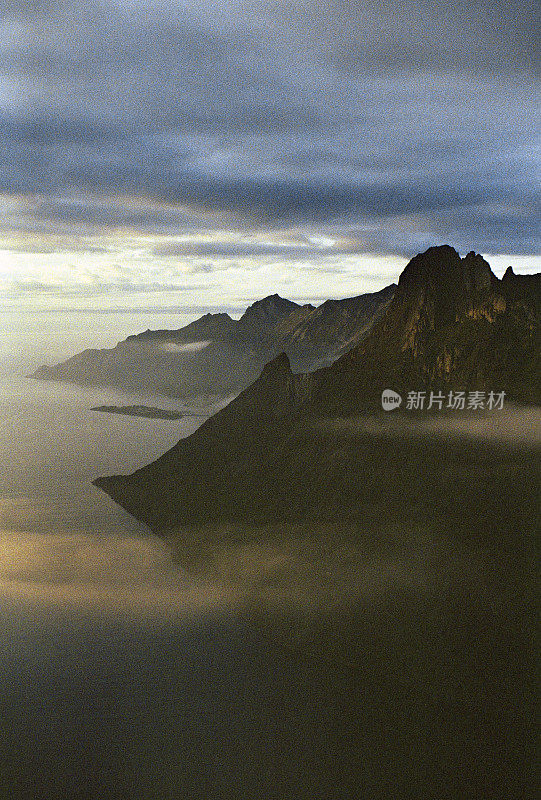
[[178, 156]]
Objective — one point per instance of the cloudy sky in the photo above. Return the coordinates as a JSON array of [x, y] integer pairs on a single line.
[[198, 154]]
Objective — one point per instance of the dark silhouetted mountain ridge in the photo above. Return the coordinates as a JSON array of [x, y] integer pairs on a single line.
[[219, 355]]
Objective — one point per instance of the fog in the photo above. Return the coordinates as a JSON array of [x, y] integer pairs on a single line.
[[130, 578], [63, 543], [514, 426], [190, 347], [123, 676], [30, 339]]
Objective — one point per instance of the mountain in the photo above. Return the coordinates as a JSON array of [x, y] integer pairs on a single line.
[[267, 312], [392, 553], [334, 328], [219, 355], [450, 325], [209, 326]]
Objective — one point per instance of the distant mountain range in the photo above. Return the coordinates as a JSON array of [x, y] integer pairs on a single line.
[[219, 355], [450, 325]]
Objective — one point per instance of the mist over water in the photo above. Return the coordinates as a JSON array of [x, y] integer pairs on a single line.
[[124, 677], [121, 677], [30, 339], [101, 631]]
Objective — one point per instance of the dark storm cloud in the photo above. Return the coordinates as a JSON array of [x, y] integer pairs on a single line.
[[54, 218], [471, 34], [284, 111]]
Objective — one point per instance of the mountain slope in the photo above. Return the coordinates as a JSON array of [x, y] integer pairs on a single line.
[[333, 328], [394, 554], [219, 355], [451, 323]]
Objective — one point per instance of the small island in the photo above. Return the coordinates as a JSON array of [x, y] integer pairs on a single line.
[[140, 411]]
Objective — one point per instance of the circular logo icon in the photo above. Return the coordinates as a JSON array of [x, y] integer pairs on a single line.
[[390, 400]]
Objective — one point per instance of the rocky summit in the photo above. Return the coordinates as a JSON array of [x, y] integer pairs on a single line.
[[451, 325]]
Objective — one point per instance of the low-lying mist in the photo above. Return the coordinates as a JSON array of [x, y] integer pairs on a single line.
[[121, 677], [382, 658], [515, 426], [133, 577]]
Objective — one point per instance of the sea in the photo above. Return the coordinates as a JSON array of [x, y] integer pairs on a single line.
[[124, 677], [121, 676]]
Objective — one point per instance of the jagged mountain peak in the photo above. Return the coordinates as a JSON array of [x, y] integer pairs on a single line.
[[438, 287], [436, 261], [269, 310], [509, 273], [441, 268], [451, 323]]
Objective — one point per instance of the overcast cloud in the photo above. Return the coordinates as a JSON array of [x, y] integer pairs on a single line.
[[202, 132]]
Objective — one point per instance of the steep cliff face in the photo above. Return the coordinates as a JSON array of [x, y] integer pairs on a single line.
[[437, 289], [333, 328], [450, 325]]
